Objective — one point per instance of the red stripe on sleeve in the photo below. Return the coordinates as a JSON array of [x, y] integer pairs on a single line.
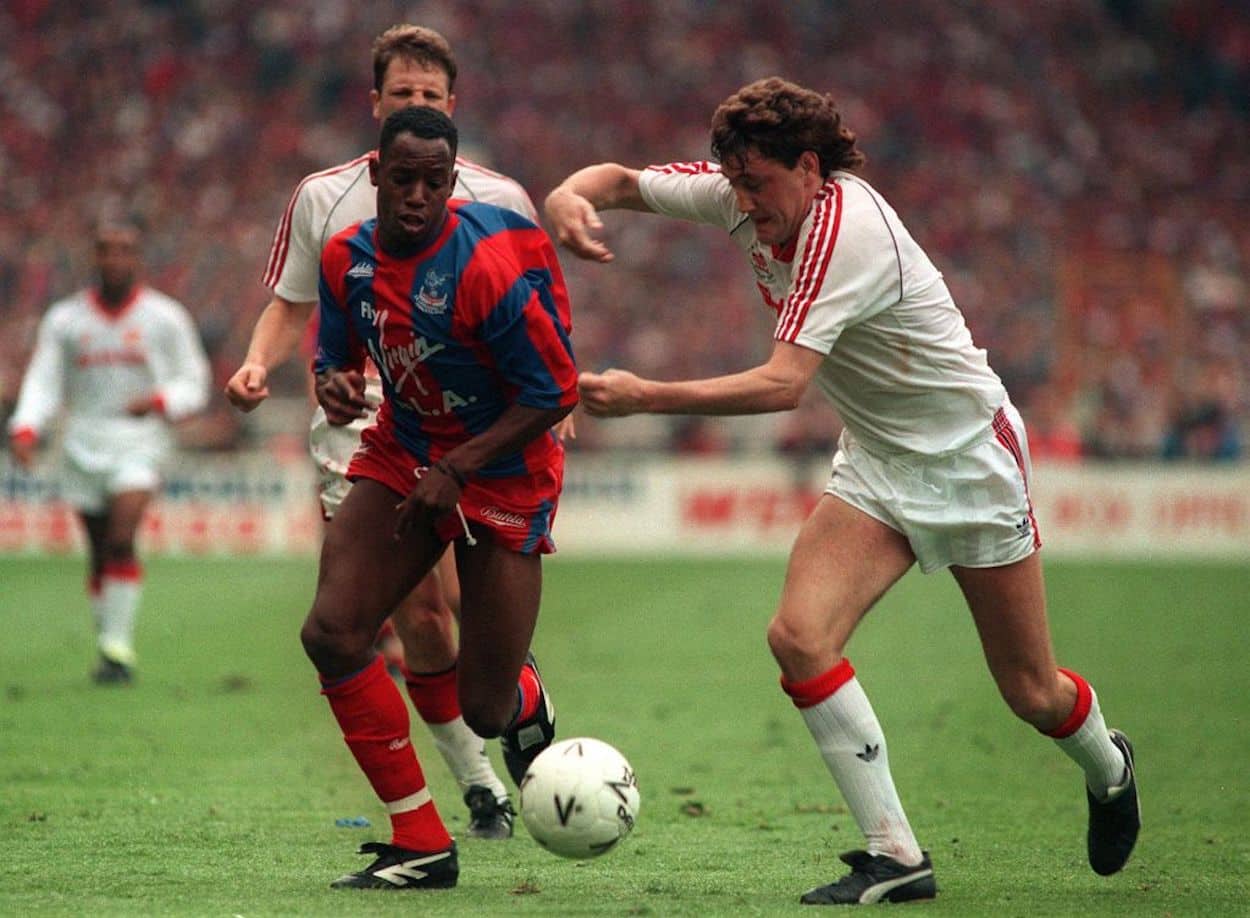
[[693, 168], [799, 286], [282, 236], [815, 263], [281, 243]]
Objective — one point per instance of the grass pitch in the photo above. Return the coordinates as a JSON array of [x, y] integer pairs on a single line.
[[212, 786]]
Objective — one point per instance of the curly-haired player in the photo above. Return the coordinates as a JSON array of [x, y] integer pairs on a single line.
[[931, 468]]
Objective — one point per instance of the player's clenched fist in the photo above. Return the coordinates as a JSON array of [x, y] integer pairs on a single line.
[[342, 394], [611, 394], [247, 388]]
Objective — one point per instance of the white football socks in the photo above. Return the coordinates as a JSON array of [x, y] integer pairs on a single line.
[[465, 754], [119, 601], [852, 744], [1090, 747]]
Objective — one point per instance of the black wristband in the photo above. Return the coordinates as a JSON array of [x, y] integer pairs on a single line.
[[450, 471]]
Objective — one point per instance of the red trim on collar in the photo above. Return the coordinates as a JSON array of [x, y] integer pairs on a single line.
[[97, 302], [786, 252]]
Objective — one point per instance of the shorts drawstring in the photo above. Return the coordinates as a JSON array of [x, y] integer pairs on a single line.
[[464, 523]]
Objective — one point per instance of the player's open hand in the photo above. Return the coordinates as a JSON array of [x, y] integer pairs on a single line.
[[342, 394], [248, 387], [565, 429], [611, 394], [575, 224]]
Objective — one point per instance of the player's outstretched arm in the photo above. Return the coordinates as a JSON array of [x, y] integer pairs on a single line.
[[274, 340], [572, 208], [773, 386]]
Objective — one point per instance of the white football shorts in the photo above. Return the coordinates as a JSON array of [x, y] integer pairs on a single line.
[[332, 449], [89, 483], [969, 508]]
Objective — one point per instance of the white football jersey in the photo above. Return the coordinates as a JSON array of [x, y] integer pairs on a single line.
[[92, 363], [333, 199], [900, 367]]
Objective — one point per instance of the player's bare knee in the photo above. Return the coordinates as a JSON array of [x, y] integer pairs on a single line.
[[117, 550], [332, 648], [1032, 701], [314, 640], [791, 647], [421, 618]]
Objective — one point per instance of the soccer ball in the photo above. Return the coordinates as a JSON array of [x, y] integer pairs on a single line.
[[579, 798]]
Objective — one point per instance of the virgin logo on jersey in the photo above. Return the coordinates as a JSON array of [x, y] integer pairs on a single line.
[[398, 365], [432, 297], [399, 362], [436, 405]]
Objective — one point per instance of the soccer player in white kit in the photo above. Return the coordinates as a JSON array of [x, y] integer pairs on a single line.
[[412, 65], [122, 360], [931, 468]]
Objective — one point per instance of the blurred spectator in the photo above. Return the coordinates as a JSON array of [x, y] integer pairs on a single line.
[[1205, 426], [1078, 169], [1205, 431], [1052, 432], [698, 436], [811, 430]]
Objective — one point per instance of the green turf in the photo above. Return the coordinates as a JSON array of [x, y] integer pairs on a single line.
[[212, 786]]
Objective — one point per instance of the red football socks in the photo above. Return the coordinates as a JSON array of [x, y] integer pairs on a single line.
[[374, 719], [434, 695]]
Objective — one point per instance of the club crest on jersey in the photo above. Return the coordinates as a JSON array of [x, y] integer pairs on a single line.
[[432, 297], [759, 264]]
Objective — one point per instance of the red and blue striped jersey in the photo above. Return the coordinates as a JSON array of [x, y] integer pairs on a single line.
[[476, 321]]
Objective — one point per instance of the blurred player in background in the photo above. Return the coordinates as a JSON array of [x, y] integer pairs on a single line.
[[932, 466], [463, 311], [122, 360], [412, 65]]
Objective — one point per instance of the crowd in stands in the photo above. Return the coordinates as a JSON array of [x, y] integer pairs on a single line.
[[1078, 169]]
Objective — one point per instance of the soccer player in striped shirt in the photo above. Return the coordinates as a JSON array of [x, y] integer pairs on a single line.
[[412, 65], [932, 466], [463, 310], [122, 360]]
